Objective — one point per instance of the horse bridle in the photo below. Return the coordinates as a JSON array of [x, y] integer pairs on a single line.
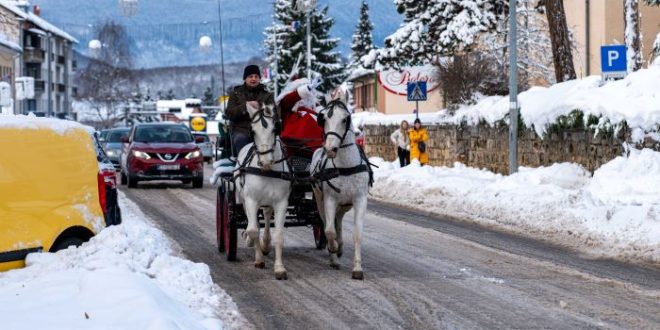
[[329, 108], [260, 116]]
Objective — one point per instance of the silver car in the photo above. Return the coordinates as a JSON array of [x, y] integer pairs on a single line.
[[206, 147], [112, 144]]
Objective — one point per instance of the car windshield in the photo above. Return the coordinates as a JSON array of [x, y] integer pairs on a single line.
[[163, 133], [206, 137], [115, 136], [103, 134]]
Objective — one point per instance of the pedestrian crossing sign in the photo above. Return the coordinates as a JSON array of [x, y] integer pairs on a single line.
[[417, 91]]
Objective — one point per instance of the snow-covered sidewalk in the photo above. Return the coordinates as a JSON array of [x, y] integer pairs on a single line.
[[615, 213], [127, 277]]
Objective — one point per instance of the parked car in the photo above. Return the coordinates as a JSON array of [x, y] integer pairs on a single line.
[[102, 135], [206, 147], [161, 151], [56, 191], [113, 142]]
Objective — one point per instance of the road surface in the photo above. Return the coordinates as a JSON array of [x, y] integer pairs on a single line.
[[421, 272]]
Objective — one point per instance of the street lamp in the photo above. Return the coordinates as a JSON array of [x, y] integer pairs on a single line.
[[128, 7], [205, 43], [306, 7], [95, 47]]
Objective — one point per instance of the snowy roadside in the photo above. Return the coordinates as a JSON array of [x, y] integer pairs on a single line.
[[614, 214], [127, 277]]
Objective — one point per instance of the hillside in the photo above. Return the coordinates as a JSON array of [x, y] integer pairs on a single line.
[[166, 32]]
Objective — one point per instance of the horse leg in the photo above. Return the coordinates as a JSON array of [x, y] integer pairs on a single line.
[[280, 217], [360, 209], [252, 231], [330, 206], [338, 221], [265, 243]]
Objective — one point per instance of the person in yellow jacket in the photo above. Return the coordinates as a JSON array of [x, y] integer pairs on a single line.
[[418, 134]]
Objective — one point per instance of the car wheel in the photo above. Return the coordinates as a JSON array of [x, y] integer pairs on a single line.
[[198, 182], [65, 243], [132, 182], [186, 181], [123, 179]]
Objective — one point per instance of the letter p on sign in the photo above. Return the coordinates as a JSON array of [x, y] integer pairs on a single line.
[[612, 55]]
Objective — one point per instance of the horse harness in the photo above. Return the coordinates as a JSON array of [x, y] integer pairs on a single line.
[[325, 173]]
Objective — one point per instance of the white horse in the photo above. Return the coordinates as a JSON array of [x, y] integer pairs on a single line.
[[260, 182], [344, 175]]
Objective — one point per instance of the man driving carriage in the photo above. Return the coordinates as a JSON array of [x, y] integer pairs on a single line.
[[295, 108]]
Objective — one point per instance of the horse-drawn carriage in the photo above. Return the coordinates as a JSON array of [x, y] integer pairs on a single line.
[[302, 209]]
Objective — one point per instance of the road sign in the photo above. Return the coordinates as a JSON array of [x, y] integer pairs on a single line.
[[198, 124], [613, 61], [417, 91]]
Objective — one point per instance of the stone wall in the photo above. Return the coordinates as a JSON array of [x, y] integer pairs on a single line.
[[485, 146]]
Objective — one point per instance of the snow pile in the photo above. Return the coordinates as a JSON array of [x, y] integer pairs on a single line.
[[127, 277], [33, 122], [615, 213], [635, 99]]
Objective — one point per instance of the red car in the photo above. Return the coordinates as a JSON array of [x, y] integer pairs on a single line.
[[161, 151]]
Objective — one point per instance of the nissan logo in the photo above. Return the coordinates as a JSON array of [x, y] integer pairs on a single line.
[[168, 156]]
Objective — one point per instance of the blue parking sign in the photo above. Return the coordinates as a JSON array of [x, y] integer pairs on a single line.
[[613, 61]]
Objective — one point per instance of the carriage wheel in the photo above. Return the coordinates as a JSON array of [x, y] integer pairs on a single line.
[[219, 211], [229, 227], [319, 237]]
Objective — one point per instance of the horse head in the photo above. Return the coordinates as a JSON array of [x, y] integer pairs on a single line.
[[335, 120], [264, 129]]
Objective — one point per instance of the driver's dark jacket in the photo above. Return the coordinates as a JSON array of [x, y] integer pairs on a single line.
[[236, 108]]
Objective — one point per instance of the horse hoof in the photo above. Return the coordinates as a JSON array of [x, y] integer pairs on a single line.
[[357, 275], [265, 251], [332, 250], [334, 266], [339, 253], [260, 265], [281, 276]]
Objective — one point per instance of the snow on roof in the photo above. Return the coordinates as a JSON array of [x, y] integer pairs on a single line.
[[359, 73], [9, 44], [36, 20], [32, 122]]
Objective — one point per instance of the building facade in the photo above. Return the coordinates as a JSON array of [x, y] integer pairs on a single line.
[[385, 91], [10, 51], [48, 59], [595, 23]]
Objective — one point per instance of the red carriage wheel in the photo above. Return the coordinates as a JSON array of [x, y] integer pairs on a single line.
[[319, 237], [229, 227], [219, 211]]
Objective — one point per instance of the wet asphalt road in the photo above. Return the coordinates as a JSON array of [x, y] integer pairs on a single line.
[[421, 272]]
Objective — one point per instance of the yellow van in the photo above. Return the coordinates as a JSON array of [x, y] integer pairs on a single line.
[[54, 190]]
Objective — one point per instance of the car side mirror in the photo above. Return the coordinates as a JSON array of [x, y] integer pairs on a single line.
[[124, 139], [199, 139]]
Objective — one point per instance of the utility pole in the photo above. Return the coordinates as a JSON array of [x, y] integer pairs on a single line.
[[309, 44], [513, 89], [275, 82], [222, 54]]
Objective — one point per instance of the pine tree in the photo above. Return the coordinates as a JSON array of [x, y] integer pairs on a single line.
[[292, 45], [208, 97], [170, 95], [632, 35], [362, 39], [436, 28], [561, 44]]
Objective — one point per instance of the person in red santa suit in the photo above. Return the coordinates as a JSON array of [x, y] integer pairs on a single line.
[[297, 103]]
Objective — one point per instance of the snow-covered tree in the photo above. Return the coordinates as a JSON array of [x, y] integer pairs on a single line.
[[436, 28], [362, 39], [559, 37], [632, 35], [655, 52], [534, 49], [652, 2], [292, 45]]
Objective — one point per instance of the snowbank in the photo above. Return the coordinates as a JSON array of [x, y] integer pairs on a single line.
[[127, 277], [635, 99], [615, 213]]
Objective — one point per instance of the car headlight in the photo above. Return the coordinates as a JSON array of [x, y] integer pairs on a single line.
[[193, 154], [141, 154], [111, 153]]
